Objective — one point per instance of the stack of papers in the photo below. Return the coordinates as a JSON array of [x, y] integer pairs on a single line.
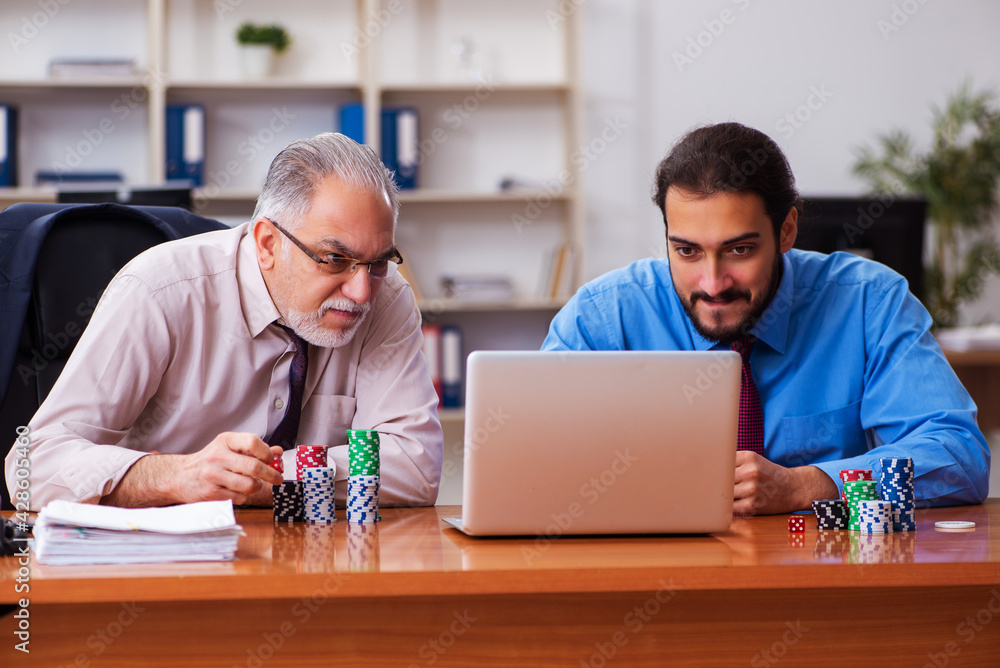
[[80, 533], [477, 288], [86, 67]]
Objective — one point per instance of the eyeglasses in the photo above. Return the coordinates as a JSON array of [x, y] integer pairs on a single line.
[[335, 264]]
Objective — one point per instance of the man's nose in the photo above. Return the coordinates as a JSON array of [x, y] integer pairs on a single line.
[[358, 286]]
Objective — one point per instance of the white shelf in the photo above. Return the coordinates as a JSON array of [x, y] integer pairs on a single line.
[[262, 85], [10, 196], [521, 122], [425, 196], [443, 196], [492, 87], [443, 305], [226, 195], [62, 83]]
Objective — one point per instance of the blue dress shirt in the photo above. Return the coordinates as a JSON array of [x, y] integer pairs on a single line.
[[845, 365]]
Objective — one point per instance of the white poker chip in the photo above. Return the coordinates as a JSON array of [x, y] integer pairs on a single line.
[[954, 525]]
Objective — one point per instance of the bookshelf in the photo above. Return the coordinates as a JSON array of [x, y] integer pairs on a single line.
[[510, 112], [518, 117]]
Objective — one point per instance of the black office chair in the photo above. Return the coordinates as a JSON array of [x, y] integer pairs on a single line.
[[84, 248]]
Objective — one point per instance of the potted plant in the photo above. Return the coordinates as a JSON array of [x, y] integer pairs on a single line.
[[259, 45], [959, 177]]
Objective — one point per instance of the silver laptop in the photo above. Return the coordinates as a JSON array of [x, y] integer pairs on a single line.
[[563, 443]]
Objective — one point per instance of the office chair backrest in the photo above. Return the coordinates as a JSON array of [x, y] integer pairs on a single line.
[[79, 257], [76, 263]]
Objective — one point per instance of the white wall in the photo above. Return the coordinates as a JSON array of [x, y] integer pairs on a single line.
[[765, 61]]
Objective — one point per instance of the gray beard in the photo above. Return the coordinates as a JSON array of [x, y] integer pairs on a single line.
[[309, 325]]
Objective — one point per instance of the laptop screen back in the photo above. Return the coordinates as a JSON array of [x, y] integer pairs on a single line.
[[600, 442]]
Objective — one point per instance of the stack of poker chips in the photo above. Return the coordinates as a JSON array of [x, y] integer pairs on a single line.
[[290, 496], [287, 496], [855, 492], [831, 514], [289, 502], [308, 456], [318, 493], [874, 516], [850, 475], [896, 486], [363, 477]]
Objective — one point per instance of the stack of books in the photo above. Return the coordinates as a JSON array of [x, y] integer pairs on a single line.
[[477, 288], [91, 67], [69, 533], [557, 274]]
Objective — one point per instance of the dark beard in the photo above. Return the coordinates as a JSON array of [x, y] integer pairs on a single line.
[[755, 308]]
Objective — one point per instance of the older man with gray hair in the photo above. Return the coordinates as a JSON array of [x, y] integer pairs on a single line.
[[210, 356]]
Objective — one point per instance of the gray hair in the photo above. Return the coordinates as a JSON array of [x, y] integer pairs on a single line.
[[297, 171]]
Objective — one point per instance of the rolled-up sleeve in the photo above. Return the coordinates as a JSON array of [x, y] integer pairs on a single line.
[[915, 406]]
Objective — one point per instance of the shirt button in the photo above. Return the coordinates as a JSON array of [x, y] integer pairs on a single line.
[[279, 404]]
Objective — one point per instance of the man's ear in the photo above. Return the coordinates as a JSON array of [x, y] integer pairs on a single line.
[[266, 243], [789, 230]]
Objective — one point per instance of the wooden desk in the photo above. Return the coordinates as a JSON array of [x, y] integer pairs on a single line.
[[979, 371], [410, 592]]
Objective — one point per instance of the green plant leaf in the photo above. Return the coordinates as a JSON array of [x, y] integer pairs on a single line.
[[274, 36], [958, 176]]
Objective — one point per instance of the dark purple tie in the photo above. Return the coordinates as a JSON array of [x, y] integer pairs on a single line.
[[751, 425], [288, 429]]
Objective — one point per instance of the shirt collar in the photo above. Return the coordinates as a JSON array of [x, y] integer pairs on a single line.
[[259, 310], [772, 327]]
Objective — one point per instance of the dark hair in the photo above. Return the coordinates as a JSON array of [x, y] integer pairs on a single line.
[[729, 157]]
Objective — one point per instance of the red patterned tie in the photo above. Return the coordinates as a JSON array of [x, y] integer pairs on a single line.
[[751, 426], [288, 429]]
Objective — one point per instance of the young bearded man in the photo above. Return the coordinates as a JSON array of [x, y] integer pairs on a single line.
[[838, 350]]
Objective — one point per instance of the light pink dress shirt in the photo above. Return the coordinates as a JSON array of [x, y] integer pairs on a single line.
[[183, 346]]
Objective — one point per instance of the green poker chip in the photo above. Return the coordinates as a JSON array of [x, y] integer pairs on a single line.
[[363, 452], [362, 436]]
